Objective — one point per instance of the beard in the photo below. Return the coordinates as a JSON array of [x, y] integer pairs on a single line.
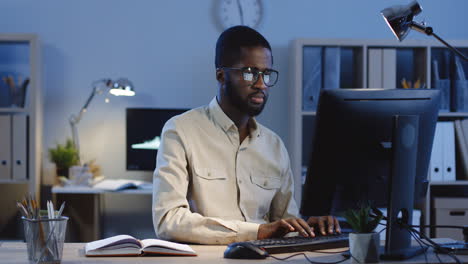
[[242, 104]]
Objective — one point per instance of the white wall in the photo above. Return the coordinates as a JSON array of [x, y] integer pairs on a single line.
[[167, 49]]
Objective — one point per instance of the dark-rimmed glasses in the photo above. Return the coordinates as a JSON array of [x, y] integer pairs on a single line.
[[250, 74]]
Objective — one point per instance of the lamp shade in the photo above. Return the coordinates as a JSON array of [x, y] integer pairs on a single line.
[[400, 18], [121, 87]]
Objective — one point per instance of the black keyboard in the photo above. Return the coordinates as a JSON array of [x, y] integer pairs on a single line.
[[295, 244]]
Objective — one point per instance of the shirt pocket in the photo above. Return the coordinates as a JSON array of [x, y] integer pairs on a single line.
[[265, 181], [210, 191], [210, 174], [263, 189]]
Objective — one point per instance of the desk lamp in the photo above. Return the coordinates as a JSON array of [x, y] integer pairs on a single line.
[[120, 87], [400, 20]]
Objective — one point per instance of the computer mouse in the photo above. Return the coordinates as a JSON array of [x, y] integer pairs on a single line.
[[244, 250]]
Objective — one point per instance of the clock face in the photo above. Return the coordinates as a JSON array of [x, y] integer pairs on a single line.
[[239, 12]]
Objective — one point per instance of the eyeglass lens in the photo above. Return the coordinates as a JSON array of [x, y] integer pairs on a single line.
[[269, 77]]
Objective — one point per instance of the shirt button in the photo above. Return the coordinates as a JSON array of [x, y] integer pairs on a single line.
[[240, 181], [265, 183], [209, 173]]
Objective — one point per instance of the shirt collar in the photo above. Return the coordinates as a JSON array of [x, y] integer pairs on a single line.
[[219, 117]]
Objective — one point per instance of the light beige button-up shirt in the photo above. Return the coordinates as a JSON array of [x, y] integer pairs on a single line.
[[211, 189]]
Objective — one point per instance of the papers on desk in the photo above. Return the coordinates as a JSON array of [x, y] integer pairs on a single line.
[[125, 245], [121, 184]]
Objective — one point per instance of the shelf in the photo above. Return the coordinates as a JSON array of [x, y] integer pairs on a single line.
[[14, 181], [12, 110], [362, 63], [449, 183], [453, 114], [20, 58]]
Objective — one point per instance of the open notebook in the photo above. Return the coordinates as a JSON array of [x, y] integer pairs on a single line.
[[125, 245]]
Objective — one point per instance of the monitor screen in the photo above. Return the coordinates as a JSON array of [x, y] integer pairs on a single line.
[[144, 126]]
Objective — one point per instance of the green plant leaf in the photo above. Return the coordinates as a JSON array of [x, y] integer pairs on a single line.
[[64, 156], [361, 220]]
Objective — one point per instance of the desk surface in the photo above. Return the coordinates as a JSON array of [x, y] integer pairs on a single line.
[[15, 252], [90, 190]]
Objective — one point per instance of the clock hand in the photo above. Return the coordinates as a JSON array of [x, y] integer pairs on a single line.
[[240, 12]]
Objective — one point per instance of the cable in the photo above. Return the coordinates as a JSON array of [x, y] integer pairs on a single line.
[[433, 244], [438, 226], [437, 255], [329, 252], [307, 258], [354, 258], [420, 244]]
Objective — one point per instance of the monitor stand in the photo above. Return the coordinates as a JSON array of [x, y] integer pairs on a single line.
[[401, 189]]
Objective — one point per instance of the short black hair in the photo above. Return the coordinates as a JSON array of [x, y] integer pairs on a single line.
[[230, 42]]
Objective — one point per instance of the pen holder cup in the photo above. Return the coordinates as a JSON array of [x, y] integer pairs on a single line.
[[45, 238]]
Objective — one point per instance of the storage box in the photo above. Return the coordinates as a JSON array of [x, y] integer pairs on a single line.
[[451, 211]]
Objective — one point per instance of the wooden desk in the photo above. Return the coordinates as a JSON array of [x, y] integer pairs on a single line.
[[14, 253]]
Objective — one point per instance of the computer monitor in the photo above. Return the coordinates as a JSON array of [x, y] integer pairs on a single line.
[[144, 127], [372, 145]]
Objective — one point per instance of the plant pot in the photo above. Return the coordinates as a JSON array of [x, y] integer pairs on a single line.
[[63, 172], [364, 247]]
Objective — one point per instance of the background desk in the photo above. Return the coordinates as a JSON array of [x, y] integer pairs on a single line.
[[13, 253], [95, 213]]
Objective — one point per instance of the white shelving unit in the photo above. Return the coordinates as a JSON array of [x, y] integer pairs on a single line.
[[28, 140], [372, 62]]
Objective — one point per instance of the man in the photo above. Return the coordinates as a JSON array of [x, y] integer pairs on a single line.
[[221, 177]]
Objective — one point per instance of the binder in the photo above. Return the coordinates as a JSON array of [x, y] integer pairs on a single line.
[[461, 147], [312, 77], [436, 166], [460, 87], [5, 147], [19, 149], [448, 151], [4, 96], [461, 132], [331, 67], [381, 68], [389, 68], [374, 77], [443, 85]]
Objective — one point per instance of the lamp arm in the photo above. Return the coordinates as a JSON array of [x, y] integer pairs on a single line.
[[75, 138], [75, 119], [430, 32]]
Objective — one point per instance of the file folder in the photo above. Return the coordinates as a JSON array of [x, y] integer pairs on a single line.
[[436, 163], [460, 87], [331, 67], [448, 151], [5, 147], [443, 85], [19, 149], [312, 77]]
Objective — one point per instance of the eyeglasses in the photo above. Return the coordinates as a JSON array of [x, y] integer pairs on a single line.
[[249, 74]]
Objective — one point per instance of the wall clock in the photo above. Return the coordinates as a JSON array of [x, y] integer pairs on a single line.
[[238, 12]]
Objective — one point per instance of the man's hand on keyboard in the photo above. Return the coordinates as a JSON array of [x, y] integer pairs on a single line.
[[282, 227], [325, 224]]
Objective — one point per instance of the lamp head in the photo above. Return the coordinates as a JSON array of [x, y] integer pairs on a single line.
[[400, 18], [121, 87]]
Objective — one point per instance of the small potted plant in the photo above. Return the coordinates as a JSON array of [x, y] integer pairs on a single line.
[[364, 243], [64, 156]]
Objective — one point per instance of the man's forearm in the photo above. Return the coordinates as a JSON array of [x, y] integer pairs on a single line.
[[182, 225]]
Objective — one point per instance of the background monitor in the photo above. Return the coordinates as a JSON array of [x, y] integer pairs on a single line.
[[144, 126], [368, 143]]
